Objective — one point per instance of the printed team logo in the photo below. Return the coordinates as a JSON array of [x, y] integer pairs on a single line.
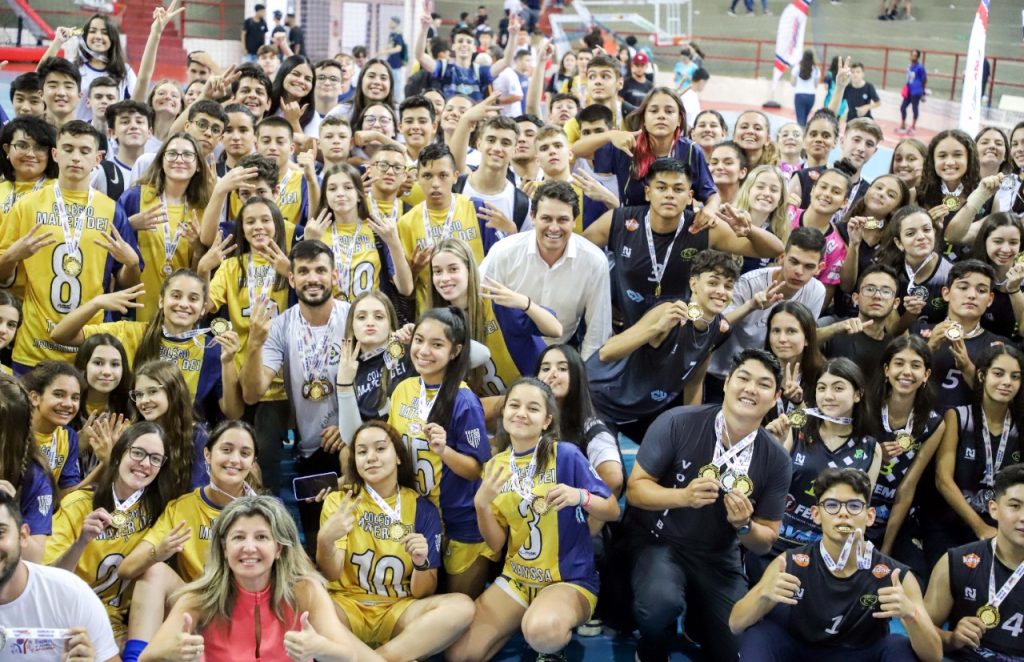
[[937, 302], [802, 560], [44, 503], [658, 396], [632, 224], [799, 459], [881, 571], [859, 454], [688, 254], [1015, 456], [968, 453], [437, 542], [970, 593], [813, 174], [971, 560], [627, 252], [473, 437], [790, 503], [869, 600], [635, 297], [723, 325]]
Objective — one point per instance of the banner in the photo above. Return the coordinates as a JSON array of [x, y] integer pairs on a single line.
[[789, 42], [970, 101]]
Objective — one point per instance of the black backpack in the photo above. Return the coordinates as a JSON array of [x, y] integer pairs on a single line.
[[115, 179], [520, 201]]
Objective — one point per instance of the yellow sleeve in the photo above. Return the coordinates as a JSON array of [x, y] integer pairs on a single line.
[[167, 521], [331, 505], [67, 524], [572, 130], [219, 286]]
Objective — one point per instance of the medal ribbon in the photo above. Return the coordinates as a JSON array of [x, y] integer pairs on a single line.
[[247, 490], [885, 421], [659, 269], [395, 514], [313, 352], [446, 229], [522, 484], [957, 193], [258, 280], [11, 198], [420, 414], [171, 245], [34, 634], [838, 420], [284, 185], [739, 455], [71, 240], [864, 550], [51, 452], [125, 505], [393, 216], [995, 598], [912, 274], [188, 335], [343, 267], [990, 467]]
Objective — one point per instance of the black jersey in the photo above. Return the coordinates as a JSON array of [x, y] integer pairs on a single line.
[[892, 473], [368, 384], [810, 458], [951, 390], [808, 177], [835, 611], [649, 380], [969, 470], [969, 567], [860, 348], [935, 306], [1000, 318], [632, 274], [676, 446]]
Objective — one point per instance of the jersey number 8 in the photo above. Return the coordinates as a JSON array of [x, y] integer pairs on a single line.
[[65, 290]]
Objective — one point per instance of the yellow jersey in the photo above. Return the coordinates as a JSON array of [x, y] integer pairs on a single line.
[[100, 560], [412, 231], [376, 568], [199, 514], [356, 258], [11, 192], [154, 244], [61, 452], [56, 279], [500, 371]]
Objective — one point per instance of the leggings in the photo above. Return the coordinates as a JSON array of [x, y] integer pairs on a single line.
[[910, 100], [768, 641], [803, 104]]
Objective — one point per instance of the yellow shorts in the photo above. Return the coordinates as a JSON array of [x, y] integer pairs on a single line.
[[525, 594], [459, 556], [372, 622]]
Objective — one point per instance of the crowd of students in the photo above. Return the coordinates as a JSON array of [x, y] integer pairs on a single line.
[[437, 305]]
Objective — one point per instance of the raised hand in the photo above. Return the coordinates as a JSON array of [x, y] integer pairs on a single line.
[[503, 296], [149, 219], [417, 547], [385, 228], [190, 646], [348, 363], [420, 259], [437, 438], [229, 343], [495, 219], [893, 601], [845, 72], [341, 521], [624, 140], [174, 541], [791, 388], [770, 296], [783, 588], [303, 644], [260, 319], [216, 254], [94, 525], [33, 241], [234, 179], [737, 219], [273, 254], [161, 16], [317, 227], [122, 300], [292, 111], [494, 477], [118, 248]]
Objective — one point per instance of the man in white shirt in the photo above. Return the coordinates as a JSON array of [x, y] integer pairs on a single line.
[[510, 90], [557, 268], [45, 613], [691, 102], [800, 264]]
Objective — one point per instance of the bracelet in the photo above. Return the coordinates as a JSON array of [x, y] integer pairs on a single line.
[[344, 385], [586, 504], [529, 302], [422, 568]]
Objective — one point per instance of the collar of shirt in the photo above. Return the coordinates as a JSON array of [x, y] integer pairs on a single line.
[[569, 254]]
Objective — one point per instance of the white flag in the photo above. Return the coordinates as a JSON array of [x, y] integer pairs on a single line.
[[789, 42], [970, 101]]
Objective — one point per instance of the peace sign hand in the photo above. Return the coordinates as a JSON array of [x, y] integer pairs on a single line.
[[37, 238], [161, 16], [770, 296], [315, 228], [845, 72], [738, 219], [791, 389], [216, 254], [118, 248], [494, 477]]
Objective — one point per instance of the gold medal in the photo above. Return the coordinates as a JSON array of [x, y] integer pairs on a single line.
[[989, 616], [952, 202], [954, 332], [873, 224], [72, 265], [397, 531], [904, 439], [395, 348], [797, 418], [119, 520], [219, 325], [743, 485], [709, 471], [540, 506], [694, 312], [316, 390]]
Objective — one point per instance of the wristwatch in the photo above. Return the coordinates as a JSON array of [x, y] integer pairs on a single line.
[[744, 528]]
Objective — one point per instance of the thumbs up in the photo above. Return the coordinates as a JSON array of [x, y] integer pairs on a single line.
[[186, 626], [896, 578], [304, 621], [781, 562]]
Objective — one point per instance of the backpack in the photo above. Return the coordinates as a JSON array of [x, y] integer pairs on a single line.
[[520, 201], [115, 179]]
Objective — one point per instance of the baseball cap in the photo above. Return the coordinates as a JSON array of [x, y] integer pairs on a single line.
[[640, 59]]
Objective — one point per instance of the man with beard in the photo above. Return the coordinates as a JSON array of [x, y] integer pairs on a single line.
[[47, 613], [304, 341], [862, 339]]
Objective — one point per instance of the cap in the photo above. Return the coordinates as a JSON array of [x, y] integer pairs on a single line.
[[640, 59], [260, 7], [277, 13]]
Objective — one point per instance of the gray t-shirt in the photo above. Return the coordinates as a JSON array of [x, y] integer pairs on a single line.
[[282, 349]]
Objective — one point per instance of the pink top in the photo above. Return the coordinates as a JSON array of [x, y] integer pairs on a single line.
[[835, 249], [236, 641]]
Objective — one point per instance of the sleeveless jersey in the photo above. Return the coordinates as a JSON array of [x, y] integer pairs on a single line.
[[632, 274], [835, 611], [951, 389], [809, 460], [199, 514], [969, 470], [935, 306], [969, 569], [377, 569]]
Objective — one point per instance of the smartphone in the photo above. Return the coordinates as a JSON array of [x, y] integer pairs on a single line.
[[307, 487]]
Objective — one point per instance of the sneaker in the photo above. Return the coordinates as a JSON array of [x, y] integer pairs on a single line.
[[902, 130], [910, 131], [551, 657], [767, 12], [883, 17], [731, 13], [591, 628]]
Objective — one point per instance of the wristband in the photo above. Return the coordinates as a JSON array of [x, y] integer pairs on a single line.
[[421, 568], [344, 385], [529, 302]]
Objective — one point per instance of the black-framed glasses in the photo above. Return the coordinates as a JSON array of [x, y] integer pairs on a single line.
[[872, 290], [139, 454], [186, 157], [214, 128], [853, 506], [386, 167], [146, 394]]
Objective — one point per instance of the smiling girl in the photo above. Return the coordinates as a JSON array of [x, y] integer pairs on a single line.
[[763, 196], [827, 197], [998, 244], [751, 133], [166, 101], [709, 129], [10, 320], [790, 139], [374, 86], [207, 365], [909, 246], [26, 163], [105, 399], [442, 423], [292, 96], [908, 164], [55, 389], [951, 173], [96, 528], [183, 530], [384, 526], [728, 166], [535, 501], [793, 339]]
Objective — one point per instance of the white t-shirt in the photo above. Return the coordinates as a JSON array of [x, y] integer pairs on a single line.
[[124, 90], [691, 105], [99, 177], [55, 598], [504, 201], [507, 84]]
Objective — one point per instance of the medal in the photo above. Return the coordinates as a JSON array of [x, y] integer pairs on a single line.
[[658, 269], [709, 471], [743, 485], [171, 243], [952, 202], [838, 420], [797, 418], [315, 352], [415, 428], [119, 520], [903, 436], [913, 289], [873, 224], [522, 483], [397, 531], [994, 465], [72, 266], [694, 312], [168, 269], [540, 506], [954, 332], [423, 408], [920, 292], [343, 256], [904, 439], [395, 348], [219, 325], [989, 616], [317, 390]]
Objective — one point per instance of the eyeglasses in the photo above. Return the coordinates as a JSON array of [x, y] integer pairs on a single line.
[[386, 167], [148, 394], [187, 157], [138, 454], [329, 79], [383, 120], [215, 129], [853, 506], [884, 292], [26, 147]]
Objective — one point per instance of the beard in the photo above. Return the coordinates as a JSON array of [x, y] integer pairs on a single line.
[[311, 301], [8, 566]]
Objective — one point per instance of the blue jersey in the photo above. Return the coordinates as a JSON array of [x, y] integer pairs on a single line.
[[610, 158], [36, 500], [474, 81]]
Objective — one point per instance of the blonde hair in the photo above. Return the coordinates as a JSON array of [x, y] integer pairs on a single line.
[[778, 221], [476, 320]]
